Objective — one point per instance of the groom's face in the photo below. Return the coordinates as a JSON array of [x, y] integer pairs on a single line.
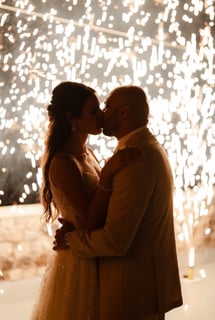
[[111, 116]]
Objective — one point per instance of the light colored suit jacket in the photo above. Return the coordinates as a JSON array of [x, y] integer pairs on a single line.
[[138, 264]]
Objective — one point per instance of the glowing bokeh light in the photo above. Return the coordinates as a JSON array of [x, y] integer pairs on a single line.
[[167, 47]]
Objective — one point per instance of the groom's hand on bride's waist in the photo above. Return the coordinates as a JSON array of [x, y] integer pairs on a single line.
[[60, 243]]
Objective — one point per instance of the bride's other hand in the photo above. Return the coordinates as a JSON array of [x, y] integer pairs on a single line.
[[123, 157], [118, 161]]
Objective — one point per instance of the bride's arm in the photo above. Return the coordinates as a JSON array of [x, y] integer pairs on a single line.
[[97, 209], [67, 177]]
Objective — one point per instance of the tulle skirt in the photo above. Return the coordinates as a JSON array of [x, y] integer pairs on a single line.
[[69, 289]]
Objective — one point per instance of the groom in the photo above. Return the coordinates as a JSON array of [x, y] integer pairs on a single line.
[[138, 270]]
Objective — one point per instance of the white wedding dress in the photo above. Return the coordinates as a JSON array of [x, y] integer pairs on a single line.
[[69, 288]]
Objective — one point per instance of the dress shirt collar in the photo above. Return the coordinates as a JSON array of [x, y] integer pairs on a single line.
[[122, 143]]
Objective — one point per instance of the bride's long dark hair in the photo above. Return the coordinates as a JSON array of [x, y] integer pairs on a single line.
[[67, 97]]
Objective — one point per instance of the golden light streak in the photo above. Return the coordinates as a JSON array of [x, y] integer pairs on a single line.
[[177, 75]]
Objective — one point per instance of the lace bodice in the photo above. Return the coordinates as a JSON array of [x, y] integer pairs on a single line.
[[90, 179]]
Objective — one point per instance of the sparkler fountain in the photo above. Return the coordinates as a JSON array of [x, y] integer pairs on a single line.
[[167, 47]]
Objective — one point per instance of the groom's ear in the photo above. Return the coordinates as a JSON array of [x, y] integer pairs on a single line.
[[125, 111]]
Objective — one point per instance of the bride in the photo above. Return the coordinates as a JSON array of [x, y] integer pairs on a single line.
[[78, 190]]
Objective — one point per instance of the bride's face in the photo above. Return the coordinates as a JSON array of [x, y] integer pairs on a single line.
[[90, 121]]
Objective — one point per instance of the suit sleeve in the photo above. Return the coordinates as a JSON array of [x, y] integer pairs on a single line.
[[132, 189]]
